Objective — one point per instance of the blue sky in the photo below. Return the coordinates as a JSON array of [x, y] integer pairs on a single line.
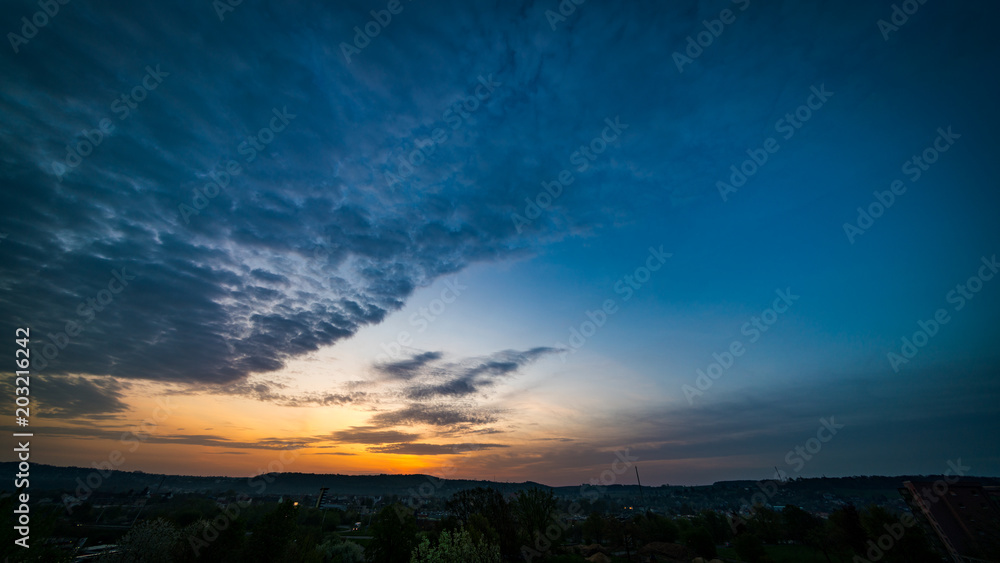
[[276, 293]]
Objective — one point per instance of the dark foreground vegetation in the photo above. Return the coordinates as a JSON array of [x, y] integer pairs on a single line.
[[474, 525]]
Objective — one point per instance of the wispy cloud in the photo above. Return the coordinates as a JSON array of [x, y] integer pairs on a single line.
[[432, 449], [434, 415], [471, 376], [126, 436], [371, 435], [76, 397], [409, 368]]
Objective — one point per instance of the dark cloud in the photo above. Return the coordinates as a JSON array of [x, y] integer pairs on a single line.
[[475, 375], [433, 415], [84, 398], [307, 244], [269, 391], [429, 378], [410, 368], [371, 435], [432, 449], [151, 434], [311, 240], [744, 432]]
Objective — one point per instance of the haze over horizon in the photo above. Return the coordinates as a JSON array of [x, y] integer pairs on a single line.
[[503, 241]]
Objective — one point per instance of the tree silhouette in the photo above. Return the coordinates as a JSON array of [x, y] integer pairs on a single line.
[[342, 552], [271, 535], [151, 541], [533, 509], [912, 545], [750, 548], [394, 533], [491, 504], [593, 528], [455, 547], [653, 527], [847, 529], [700, 540], [798, 523]]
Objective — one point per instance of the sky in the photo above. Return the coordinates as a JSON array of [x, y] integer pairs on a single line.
[[509, 240]]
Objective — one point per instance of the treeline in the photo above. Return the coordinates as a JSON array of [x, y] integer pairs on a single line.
[[534, 526], [483, 526]]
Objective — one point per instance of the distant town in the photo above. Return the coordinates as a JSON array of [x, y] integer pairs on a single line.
[[81, 514]]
